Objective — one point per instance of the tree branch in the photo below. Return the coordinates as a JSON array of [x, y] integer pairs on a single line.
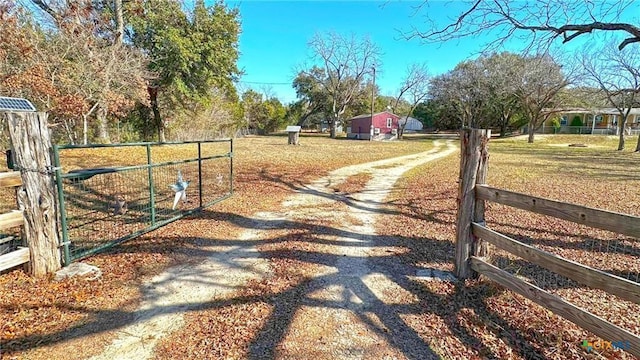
[[46, 8]]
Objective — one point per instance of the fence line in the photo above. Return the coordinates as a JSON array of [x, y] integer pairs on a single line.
[[472, 236], [105, 206], [11, 219], [606, 220]]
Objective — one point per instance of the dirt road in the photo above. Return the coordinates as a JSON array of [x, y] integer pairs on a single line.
[[348, 300]]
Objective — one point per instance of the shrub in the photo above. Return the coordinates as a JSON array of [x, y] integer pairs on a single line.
[[555, 122], [576, 121]]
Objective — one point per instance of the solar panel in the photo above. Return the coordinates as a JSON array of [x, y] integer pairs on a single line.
[[15, 104]]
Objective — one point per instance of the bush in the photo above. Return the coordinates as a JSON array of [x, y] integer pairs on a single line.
[[576, 121], [555, 122]]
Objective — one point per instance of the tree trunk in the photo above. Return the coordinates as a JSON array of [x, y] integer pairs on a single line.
[[531, 131], [31, 142], [332, 128], [401, 129], [117, 5], [503, 129], [103, 126], [621, 125], [153, 96], [85, 130]]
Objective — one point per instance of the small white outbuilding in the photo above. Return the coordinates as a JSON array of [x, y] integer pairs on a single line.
[[413, 124]]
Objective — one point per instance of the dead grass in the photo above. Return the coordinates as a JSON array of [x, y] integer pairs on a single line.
[[482, 320], [476, 321], [352, 184], [39, 313]]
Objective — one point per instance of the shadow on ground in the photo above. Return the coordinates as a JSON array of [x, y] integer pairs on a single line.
[[399, 268]]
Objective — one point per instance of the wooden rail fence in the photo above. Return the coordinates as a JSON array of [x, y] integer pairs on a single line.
[[472, 234], [9, 220]]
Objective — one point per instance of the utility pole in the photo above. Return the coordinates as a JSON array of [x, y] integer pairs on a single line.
[[373, 96]]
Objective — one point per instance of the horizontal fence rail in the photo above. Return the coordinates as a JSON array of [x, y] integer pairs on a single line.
[[557, 305], [621, 223], [10, 179], [106, 205], [606, 220], [586, 275], [473, 235], [13, 252]]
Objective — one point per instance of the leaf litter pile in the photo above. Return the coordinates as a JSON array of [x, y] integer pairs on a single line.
[[475, 321]]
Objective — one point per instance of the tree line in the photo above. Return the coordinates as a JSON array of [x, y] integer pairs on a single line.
[[108, 70], [606, 75]]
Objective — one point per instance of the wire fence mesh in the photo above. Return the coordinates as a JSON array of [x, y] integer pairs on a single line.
[[113, 193], [603, 250]]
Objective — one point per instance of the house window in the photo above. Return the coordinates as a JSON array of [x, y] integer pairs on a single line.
[[389, 122], [598, 119], [589, 118], [636, 119], [564, 120]]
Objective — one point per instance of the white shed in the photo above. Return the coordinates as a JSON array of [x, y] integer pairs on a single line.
[[413, 124]]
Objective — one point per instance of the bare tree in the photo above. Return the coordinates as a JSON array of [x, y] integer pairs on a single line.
[[464, 88], [617, 75], [346, 62], [501, 71], [536, 22], [541, 80], [414, 90]]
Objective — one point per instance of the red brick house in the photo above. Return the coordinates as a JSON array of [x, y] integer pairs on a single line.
[[383, 126]]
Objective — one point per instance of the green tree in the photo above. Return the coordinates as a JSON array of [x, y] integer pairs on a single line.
[[265, 116], [501, 71], [276, 115], [190, 55], [361, 103], [313, 100]]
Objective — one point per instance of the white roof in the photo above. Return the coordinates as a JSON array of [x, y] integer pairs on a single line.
[[607, 111]]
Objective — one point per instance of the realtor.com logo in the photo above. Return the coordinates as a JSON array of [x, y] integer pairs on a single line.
[[603, 345]]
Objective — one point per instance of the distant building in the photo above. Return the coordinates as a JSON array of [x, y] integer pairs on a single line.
[[324, 127], [593, 121], [413, 124], [383, 126]]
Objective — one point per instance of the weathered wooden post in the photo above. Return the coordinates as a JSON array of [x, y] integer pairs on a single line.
[[31, 144], [294, 134], [473, 170]]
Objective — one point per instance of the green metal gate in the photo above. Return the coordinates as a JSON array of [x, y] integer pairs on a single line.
[[112, 193]]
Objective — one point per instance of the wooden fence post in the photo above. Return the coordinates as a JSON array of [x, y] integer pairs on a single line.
[[31, 144], [473, 170]]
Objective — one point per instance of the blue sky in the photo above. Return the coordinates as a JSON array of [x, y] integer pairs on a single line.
[[274, 38]]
